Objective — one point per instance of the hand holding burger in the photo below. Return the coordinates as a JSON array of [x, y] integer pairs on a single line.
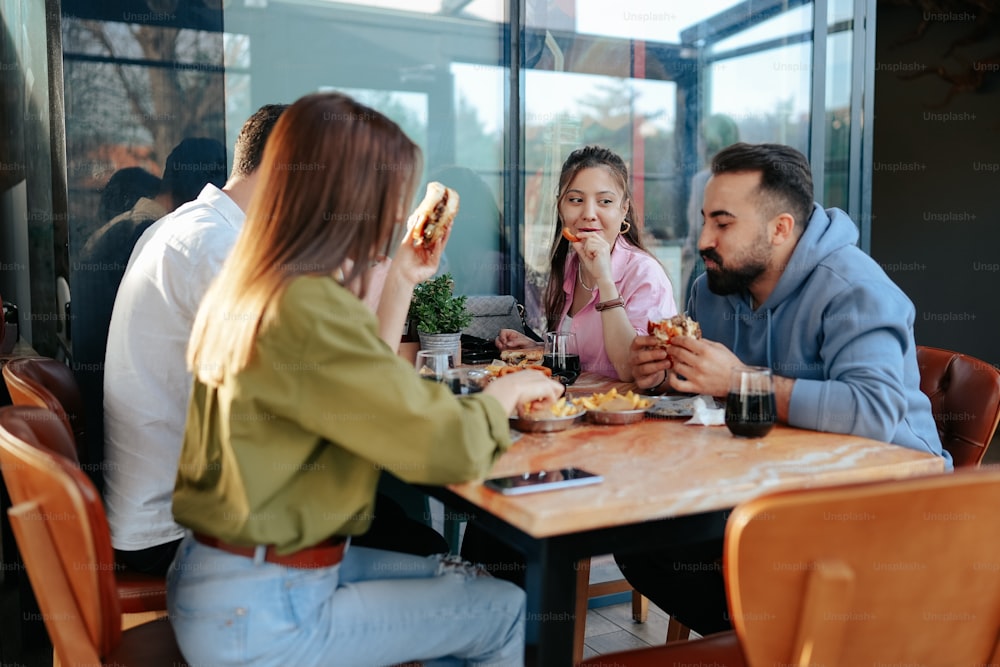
[[434, 215], [427, 232], [648, 354], [678, 325]]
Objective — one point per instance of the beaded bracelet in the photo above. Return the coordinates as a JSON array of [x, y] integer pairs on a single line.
[[617, 302]]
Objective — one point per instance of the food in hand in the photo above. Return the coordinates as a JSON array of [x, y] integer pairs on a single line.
[[612, 401], [678, 325], [530, 356], [542, 409], [507, 370], [569, 236], [434, 215]]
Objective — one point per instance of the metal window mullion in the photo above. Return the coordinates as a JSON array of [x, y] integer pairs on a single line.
[[817, 124], [861, 151], [512, 275]]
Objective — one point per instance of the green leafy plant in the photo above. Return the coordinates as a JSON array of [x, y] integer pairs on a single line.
[[436, 309]]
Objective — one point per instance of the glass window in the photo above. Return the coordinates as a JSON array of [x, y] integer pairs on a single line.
[[662, 84], [837, 120]]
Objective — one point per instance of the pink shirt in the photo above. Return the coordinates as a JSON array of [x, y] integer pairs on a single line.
[[641, 282]]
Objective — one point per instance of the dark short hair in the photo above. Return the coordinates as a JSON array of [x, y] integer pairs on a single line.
[[253, 137], [194, 163], [785, 176], [125, 187]]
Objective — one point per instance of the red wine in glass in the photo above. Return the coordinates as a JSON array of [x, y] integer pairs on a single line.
[[564, 367], [750, 407], [750, 415], [561, 356]]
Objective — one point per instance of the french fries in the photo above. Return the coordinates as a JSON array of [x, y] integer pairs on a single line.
[[612, 401], [506, 370], [560, 408], [499, 370]]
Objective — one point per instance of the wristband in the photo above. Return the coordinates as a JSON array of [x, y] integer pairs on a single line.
[[617, 302], [658, 389]]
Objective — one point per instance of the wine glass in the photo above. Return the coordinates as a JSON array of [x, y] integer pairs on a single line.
[[432, 364], [561, 356], [750, 411]]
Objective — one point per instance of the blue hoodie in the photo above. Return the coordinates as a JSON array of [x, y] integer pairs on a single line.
[[837, 324]]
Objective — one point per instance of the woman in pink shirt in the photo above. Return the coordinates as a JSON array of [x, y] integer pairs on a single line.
[[604, 286]]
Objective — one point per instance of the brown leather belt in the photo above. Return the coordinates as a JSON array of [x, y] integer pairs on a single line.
[[324, 554]]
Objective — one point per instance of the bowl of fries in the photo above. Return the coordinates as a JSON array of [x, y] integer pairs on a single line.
[[612, 407], [557, 416]]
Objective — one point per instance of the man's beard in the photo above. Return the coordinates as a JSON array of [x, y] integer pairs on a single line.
[[732, 280]]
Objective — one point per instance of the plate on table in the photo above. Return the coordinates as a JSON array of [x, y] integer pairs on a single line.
[[617, 416], [545, 424], [672, 406]]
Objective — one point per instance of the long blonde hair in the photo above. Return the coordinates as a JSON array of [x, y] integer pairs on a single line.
[[335, 178]]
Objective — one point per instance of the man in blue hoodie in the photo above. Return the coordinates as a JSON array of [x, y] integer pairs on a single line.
[[785, 287]]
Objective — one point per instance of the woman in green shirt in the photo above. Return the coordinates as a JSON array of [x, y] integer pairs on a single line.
[[299, 402]]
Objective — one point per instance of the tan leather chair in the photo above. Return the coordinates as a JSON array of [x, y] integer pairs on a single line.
[[892, 572], [965, 400], [47, 383], [50, 384], [59, 522]]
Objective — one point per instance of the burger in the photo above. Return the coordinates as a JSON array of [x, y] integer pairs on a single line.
[[678, 325], [434, 215], [520, 357]]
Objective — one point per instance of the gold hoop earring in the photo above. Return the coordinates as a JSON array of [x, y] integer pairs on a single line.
[[626, 225]]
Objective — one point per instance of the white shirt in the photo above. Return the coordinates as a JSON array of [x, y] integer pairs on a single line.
[[146, 383]]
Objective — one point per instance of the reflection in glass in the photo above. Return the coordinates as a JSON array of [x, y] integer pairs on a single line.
[[639, 76]]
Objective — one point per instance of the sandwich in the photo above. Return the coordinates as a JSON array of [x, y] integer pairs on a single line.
[[434, 215], [521, 357], [678, 325]]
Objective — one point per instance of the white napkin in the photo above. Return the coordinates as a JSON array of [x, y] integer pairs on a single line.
[[703, 414]]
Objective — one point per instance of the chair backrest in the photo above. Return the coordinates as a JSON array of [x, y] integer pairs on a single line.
[[50, 384], [61, 529], [900, 572], [965, 400]]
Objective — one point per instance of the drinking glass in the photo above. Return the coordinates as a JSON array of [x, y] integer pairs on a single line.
[[466, 380], [561, 356], [750, 403], [432, 364]]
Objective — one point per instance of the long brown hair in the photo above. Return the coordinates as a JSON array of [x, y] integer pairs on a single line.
[[578, 160], [335, 180]]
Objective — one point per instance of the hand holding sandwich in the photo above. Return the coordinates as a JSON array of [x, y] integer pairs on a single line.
[[700, 366], [417, 258], [685, 364], [427, 231]]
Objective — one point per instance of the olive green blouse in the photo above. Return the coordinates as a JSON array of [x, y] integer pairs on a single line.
[[288, 451]]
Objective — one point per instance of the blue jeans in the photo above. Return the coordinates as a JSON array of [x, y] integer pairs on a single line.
[[374, 608]]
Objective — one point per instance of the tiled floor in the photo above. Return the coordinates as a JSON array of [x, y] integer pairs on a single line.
[[611, 628]]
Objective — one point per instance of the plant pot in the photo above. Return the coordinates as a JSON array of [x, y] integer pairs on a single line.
[[443, 341]]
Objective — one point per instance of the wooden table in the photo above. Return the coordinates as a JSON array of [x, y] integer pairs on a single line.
[[661, 478]]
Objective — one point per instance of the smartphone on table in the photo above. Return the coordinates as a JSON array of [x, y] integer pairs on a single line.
[[542, 480]]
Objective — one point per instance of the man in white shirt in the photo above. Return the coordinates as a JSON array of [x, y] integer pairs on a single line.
[[146, 382]]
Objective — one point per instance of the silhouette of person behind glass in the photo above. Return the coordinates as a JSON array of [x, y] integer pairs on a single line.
[[475, 247], [96, 276], [717, 132], [126, 187]]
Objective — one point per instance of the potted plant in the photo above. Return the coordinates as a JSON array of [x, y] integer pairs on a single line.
[[438, 315]]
